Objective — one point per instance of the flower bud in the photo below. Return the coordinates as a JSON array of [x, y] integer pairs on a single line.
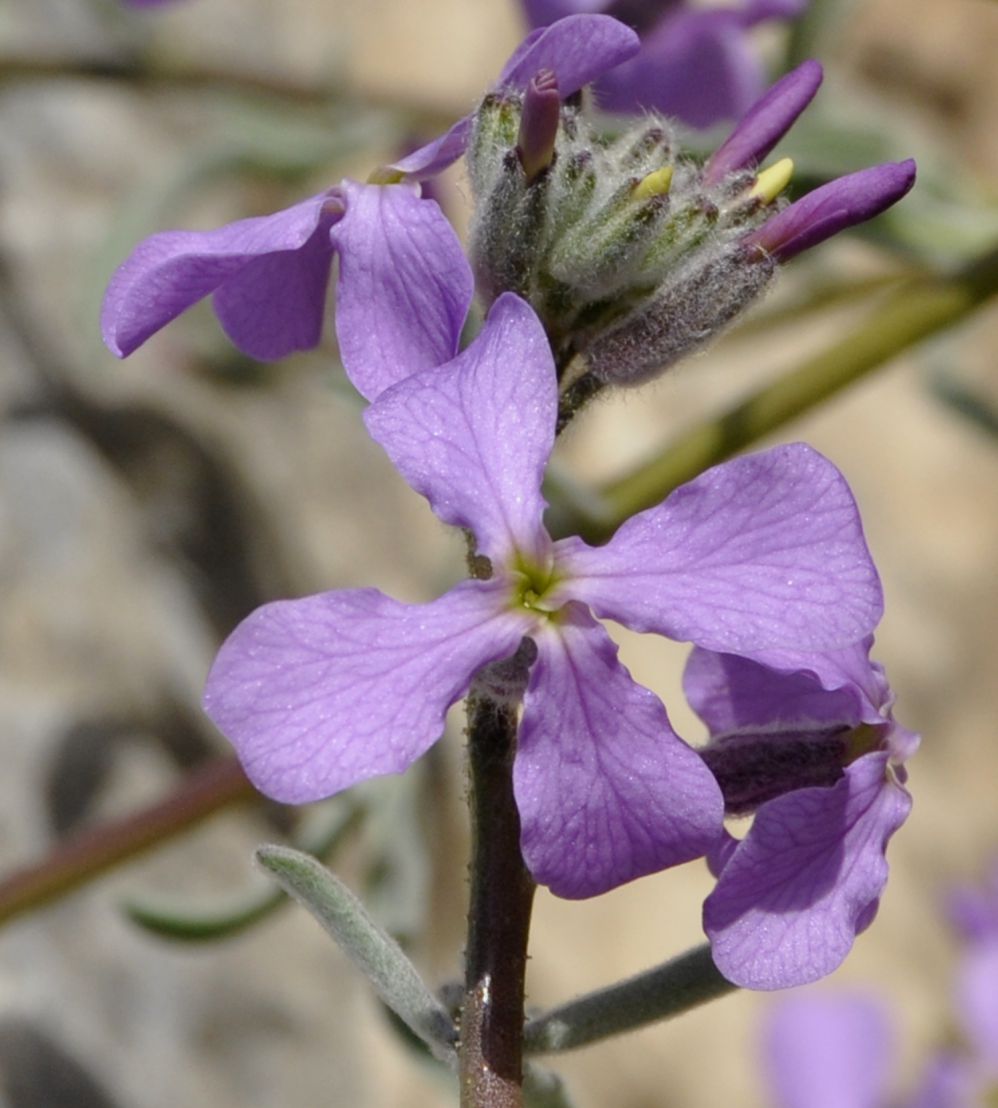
[[632, 255]]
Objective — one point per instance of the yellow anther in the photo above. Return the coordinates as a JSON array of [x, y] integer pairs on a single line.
[[655, 184], [772, 181]]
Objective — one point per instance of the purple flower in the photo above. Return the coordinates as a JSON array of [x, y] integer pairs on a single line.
[[827, 210], [577, 49], [977, 1003], [404, 285], [828, 1050], [633, 255], [831, 208], [695, 64], [765, 552], [402, 296], [807, 742], [973, 909]]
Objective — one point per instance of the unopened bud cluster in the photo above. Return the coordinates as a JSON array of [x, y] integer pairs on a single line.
[[629, 258]]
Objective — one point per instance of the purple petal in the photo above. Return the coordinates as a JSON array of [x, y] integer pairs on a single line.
[[474, 436], [169, 272], [436, 156], [833, 207], [606, 790], [695, 65], [276, 303], [320, 693], [577, 49], [763, 552], [803, 881], [540, 13], [731, 693], [766, 122], [977, 1000], [829, 1051], [404, 288]]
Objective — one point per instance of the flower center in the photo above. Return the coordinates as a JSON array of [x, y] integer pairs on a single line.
[[534, 586]]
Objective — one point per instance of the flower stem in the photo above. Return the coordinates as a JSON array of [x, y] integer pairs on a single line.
[[919, 309], [502, 892], [80, 859]]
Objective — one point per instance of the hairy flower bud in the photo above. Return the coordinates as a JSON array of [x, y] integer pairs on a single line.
[[629, 259], [631, 254]]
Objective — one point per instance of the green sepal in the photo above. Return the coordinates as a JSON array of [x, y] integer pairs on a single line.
[[372, 950]]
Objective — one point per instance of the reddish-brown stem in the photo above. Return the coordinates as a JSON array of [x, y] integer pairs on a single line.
[[502, 891], [90, 852]]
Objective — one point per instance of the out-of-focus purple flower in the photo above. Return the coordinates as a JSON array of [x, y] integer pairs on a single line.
[[404, 286], [807, 743], [763, 552], [828, 1050], [698, 65], [972, 909], [977, 1005]]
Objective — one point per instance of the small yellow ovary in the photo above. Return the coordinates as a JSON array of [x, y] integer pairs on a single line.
[[772, 181]]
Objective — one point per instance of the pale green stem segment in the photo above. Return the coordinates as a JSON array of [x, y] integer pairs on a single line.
[[372, 950], [922, 307], [658, 994]]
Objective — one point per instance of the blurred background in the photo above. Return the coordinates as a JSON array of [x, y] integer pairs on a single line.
[[146, 506]]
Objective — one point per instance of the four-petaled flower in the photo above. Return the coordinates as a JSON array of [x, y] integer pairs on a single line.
[[763, 553], [808, 743]]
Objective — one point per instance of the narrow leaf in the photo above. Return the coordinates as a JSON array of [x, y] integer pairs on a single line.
[[667, 990], [201, 922], [374, 952]]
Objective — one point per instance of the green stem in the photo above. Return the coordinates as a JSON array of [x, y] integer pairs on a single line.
[[667, 990], [921, 308], [90, 853], [501, 898]]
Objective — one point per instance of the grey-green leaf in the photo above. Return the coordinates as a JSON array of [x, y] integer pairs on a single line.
[[374, 952], [543, 1089], [667, 990]]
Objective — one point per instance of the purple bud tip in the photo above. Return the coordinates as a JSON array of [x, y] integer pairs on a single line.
[[833, 207], [539, 123], [766, 122]]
